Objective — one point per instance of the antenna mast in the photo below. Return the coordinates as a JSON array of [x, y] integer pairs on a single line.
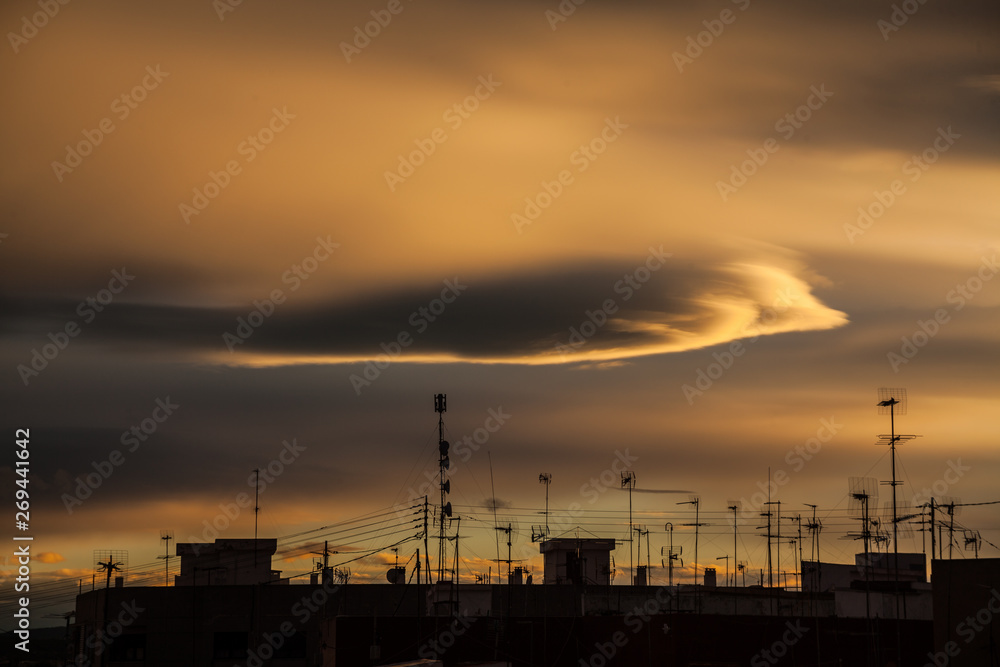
[[734, 505], [444, 463], [628, 480], [256, 511], [894, 401], [696, 502], [546, 479]]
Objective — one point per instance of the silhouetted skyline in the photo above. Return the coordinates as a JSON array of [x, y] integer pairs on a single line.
[[696, 238]]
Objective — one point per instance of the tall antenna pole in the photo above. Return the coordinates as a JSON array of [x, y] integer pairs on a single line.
[[628, 480], [440, 407], [427, 556], [798, 518], [951, 530], [734, 506], [546, 479], [669, 527], [496, 528], [777, 522], [649, 570], [933, 540], [768, 515], [814, 528], [697, 523], [890, 398], [256, 511]]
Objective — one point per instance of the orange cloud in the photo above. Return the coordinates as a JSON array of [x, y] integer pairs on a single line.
[[49, 557]]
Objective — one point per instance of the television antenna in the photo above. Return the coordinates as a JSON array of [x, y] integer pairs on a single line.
[[508, 526], [735, 506], [109, 562], [444, 463], [863, 490], [672, 553], [892, 400], [540, 532], [697, 524], [814, 527], [952, 507], [973, 541], [628, 482]]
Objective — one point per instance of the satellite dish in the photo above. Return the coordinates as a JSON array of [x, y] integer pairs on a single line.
[[447, 509], [446, 487], [443, 447], [396, 575], [446, 463]]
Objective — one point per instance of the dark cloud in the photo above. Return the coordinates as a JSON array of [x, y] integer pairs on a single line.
[[602, 307]]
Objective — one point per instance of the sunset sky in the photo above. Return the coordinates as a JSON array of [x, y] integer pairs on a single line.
[[692, 236]]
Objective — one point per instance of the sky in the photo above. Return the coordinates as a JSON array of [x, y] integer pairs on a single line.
[[689, 240]]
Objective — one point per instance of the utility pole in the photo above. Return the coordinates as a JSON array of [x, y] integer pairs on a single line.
[[777, 522], [734, 506], [427, 568], [951, 530], [166, 536], [933, 541], [770, 578]]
